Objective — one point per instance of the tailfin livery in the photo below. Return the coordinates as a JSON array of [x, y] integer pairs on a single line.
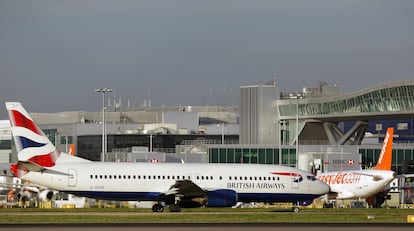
[[385, 157], [72, 149], [31, 143], [366, 182]]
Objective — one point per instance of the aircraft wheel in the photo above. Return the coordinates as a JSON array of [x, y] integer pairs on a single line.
[[295, 209], [175, 208], [158, 208]]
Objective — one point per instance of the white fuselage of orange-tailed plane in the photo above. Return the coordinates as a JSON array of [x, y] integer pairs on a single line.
[[174, 184], [355, 184]]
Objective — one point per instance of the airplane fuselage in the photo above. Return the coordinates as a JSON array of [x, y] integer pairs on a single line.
[[145, 181], [357, 184]]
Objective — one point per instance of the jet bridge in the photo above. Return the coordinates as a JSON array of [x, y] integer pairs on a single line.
[[317, 120]]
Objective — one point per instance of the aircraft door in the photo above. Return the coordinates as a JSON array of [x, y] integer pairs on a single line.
[[295, 180], [72, 177]]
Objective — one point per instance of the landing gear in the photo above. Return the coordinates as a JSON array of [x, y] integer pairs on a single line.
[[175, 208], [158, 208], [296, 209]]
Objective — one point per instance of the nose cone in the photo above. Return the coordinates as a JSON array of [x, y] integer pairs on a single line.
[[321, 188]]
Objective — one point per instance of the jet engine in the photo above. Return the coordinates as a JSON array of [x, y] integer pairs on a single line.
[[221, 198]]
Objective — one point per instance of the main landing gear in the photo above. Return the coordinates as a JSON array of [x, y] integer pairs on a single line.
[[175, 207], [159, 208]]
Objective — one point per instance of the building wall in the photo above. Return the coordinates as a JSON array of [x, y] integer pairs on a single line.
[[258, 114]]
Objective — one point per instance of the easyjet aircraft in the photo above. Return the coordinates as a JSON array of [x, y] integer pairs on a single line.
[[355, 184], [174, 184]]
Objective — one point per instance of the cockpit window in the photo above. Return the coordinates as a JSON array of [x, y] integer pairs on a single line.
[[312, 178]]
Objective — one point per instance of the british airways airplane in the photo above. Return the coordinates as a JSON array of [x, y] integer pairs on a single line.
[[359, 184], [175, 185]]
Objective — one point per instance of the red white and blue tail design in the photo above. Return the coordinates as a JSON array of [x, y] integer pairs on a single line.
[[31, 143]]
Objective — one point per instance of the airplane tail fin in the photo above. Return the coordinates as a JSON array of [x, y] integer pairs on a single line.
[[31, 143], [385, 157]]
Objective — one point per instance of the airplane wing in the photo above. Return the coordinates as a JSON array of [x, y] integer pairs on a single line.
[[185, 188], [188, 194]]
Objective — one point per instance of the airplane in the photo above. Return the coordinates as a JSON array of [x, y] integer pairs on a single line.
[[176, 185], [358, 184]]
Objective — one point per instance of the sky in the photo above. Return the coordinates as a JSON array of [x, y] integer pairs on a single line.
[[54, 53]]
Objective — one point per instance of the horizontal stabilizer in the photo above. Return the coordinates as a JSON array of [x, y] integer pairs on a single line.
[[27, 166]]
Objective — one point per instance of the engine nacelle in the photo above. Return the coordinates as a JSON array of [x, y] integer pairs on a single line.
[[221, 198]]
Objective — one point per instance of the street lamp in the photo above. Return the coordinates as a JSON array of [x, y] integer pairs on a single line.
[[103, 91]]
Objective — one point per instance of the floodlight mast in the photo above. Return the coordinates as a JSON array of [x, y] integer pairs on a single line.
[[104, 141]]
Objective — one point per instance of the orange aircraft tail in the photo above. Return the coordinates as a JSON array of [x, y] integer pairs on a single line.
[[385, 157]]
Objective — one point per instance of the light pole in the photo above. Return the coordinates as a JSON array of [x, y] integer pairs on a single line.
[[150, 149], [103, 91], [297, 128], [222, 132]]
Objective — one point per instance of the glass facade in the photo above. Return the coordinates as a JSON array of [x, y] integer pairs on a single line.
[[268, 155], [252, 155], [388, 99]]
